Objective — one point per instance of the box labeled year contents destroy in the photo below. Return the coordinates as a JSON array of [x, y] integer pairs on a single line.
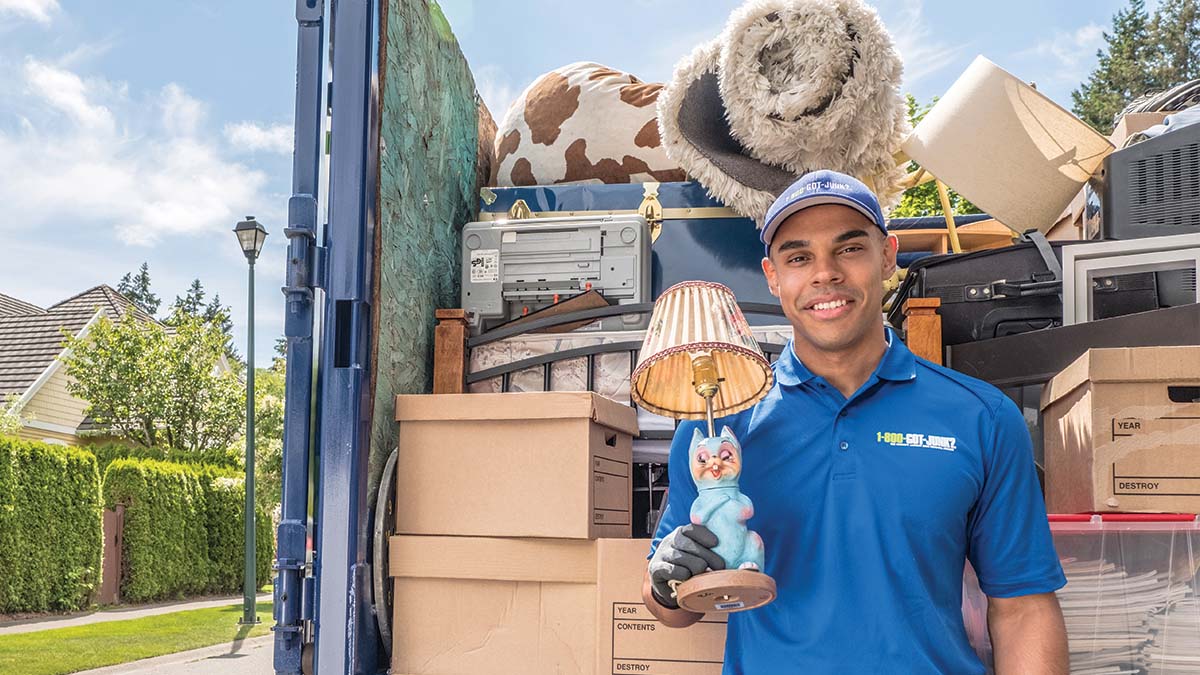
[[1122, 431], [491, 606]]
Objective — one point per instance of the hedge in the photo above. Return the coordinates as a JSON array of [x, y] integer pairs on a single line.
[[183, 529], [107, 452], [51, 534]]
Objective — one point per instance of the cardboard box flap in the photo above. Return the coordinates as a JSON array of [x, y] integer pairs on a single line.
[[493, 558], [517, 406], [1170, 365]]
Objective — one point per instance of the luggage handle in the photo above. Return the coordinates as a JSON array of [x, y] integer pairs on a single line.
[[1003, 288], [990, 324], [1043, 247]]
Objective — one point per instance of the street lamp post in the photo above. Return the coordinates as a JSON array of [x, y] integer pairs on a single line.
[[250, 234]]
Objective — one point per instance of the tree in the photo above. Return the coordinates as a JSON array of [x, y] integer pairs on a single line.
[[192, 302], [268, 433], [923, 200], [192, 305], [1142, 54], [206, 406], [154, 388], [1175, 33], [218, 314], [136, 289], [11, 419]]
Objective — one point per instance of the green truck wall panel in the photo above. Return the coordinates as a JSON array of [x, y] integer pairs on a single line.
[[428, 188]]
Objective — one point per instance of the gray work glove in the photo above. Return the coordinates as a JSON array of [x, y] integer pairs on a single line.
[[682, 554]]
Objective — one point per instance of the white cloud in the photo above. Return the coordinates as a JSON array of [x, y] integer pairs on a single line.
[[496, 89], [66, 92], [1070, 54], [253, 136], [35, 10], [923, 53], [103, 162], [85, 52], [181, 114]]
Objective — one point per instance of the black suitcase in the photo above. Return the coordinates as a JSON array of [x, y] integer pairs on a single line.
[[1015, 289]]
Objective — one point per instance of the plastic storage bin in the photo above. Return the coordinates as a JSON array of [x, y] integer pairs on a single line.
[[1131, 603]]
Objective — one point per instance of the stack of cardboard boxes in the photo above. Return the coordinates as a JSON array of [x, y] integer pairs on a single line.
[[1122, 434], [513, 551]]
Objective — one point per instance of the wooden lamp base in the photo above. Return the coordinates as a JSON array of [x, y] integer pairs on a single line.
[[725, 591]]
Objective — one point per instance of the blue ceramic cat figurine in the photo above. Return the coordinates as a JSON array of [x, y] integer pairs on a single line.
[[716, 464]]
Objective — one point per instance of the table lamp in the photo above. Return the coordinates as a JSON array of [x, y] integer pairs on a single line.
[[699, 360]]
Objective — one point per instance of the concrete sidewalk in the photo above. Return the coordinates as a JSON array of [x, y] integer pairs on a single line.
[[123, 613], [248, 657]]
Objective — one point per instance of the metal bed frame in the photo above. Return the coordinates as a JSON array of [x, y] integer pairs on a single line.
[[546, 361]]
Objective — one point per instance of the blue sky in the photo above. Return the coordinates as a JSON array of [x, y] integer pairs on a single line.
[[508, 44], [144, 130]]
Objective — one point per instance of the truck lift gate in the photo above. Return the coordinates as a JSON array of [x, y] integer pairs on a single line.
[[323, 605]]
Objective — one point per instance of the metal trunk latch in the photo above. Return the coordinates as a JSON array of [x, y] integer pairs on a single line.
[[651, 209], [520, 211]]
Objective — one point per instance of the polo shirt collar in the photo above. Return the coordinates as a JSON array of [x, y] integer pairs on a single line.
[[898, 364]]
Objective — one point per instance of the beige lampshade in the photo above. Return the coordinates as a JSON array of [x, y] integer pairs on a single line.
[[689, 319], [1013, 152]]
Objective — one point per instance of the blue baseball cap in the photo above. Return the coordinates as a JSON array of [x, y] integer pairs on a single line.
[[821, 187]]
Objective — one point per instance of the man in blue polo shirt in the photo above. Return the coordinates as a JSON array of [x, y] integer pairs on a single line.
[[875, 476]]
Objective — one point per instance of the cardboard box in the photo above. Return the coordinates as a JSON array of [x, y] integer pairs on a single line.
[[487, 606], [1122, 431], [554, 464], [1133, 123]]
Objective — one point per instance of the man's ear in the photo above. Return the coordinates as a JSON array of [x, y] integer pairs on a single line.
[[768, 268], [891, 245]]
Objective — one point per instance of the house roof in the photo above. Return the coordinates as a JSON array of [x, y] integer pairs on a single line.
[[102, 297], [30, 342], [10, 306]]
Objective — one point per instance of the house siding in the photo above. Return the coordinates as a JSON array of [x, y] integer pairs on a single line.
[[52, 403], [44, 436]]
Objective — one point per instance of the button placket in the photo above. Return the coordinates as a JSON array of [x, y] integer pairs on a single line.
[[844, 462]]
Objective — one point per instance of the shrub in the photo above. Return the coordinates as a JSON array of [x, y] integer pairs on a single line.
[[183, 528], [107, 452], [51, 533], [227, 536]]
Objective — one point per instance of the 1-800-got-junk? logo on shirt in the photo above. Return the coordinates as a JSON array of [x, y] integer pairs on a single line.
[[931, 442]]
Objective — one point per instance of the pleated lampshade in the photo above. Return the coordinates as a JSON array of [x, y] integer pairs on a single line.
[[690, 319]]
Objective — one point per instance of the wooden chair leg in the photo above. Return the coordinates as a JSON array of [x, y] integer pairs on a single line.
[[923, 326], [450, 352]]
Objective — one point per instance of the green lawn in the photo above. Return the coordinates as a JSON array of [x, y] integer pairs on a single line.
[[68, 650]]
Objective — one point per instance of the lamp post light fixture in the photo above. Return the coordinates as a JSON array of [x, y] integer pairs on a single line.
[[250, 234]]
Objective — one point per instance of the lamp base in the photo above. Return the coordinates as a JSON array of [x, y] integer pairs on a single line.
[[725, 591]]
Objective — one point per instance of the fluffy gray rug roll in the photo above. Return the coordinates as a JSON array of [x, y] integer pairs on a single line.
[[789, 86]]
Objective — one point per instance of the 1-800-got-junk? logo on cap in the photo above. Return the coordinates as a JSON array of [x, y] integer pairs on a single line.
[[821, 187]]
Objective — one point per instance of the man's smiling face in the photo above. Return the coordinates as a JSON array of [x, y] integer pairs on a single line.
[[826, 265]]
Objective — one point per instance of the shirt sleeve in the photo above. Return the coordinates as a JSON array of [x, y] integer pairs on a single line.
[[1009, 542], [681, 491]]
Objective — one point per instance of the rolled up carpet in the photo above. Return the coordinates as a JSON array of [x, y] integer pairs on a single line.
[[789, 86]]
